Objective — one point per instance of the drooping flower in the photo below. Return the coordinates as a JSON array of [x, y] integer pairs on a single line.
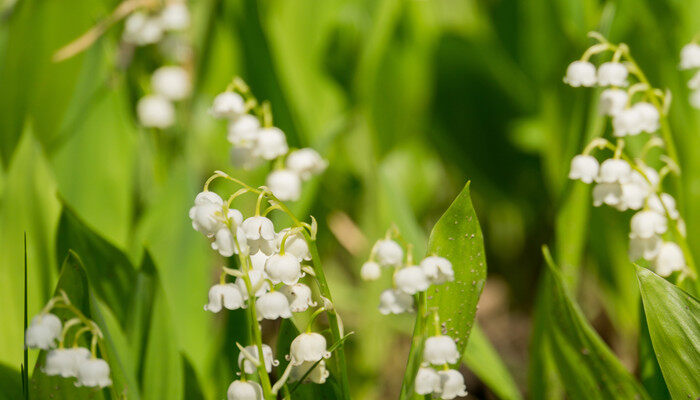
[[411, 280], [171, 82], [227, 295], [155, 111], [614, 170], [257, 280], [175, 16], [93, 372], [648, 116], [284, 268], [584, 168], [580, 73], [272, 305], [438, 270], [644, 248], [306, 163], [669, 259], [284, 184], [388, 253], [228, 244], [646, 224], [607, 193], [43, 331], [271, 143], [248, 367], [663, 202], [260, 233], [141, 30], [294, 244], [627, 122], [308, 347], [690, 56], [393, 301], [207, 213], [318, 375], [612, 74], [299, 297], [244, 390], [370, 271], [452, 384], [243, 130], [612, 101], [427, 381], [440, 350], [228, 105], [65, 362]]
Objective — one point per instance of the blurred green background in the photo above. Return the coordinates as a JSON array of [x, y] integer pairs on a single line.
[[406, 99]]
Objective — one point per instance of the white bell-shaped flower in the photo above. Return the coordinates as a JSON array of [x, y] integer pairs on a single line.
[[141, 30], [294, 244], [225, 242], [284, 184], [175, 16], [207, 212], [690, 56], [283, 268], [260, 233], [614, 170], [648, 116], [580, 73], [258, 283], [308, 347], [318, 375], [694, 82], [452, 384], [646, 224], [244, 390], [248, 367], [438, 270], [43, 331], [172, 82], [271, 143], [644, 248], [65, 362], [393, 301], [411, 280], [299, 297], [272, 305], [370, 271], [584, 167], [227, 295], [243, 130], [306, 163], [694, 99], [612, 74], [669, 259], [155, 111], [612, 101], [388, 253], [93, 372], [627, 122], [258, 260], [607, 193], [427, 381], [440, 350], [662, 203], [227, 105]]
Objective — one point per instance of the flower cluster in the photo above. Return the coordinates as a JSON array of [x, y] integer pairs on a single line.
[[268, 284], [47, 332], [169, 83], [440, 350], [255, 141], [690, 59], [622, 181]]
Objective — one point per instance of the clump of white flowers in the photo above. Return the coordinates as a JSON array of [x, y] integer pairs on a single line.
[[633, 182], [255, 141], [47, 332], [274, 271], [690, 60]]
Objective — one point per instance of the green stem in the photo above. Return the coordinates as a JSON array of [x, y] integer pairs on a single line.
[[334, 322], [416, 345]]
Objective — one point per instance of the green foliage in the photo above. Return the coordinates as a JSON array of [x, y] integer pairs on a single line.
[[673, 317]]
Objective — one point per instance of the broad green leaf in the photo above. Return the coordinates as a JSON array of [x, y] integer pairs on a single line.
[[10, 383], [586, 366], [649, 371], [673, 317], [484, 361]]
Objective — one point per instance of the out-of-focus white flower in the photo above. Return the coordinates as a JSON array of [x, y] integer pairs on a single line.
[[393, 301], [257, 280], [294, 244], [663, 202], [580, 73], [427, 381], [648, 116], [284, 268], [644, 248], [260, 233], [584, 167], [141, 30], [370, 271], [243, 130], [318, 375], [612, 74], [175, 16], [646, 224], [244, 157], [670, 258], [155, 111], [694, 99], [171, 82], [299, 297], [411, 280], [440, 350], [93, 372], [228, 105], [306, 162], [207, 213], [43, 331], [65, 362], [607, 193], [614, 170], [227, 295], [612, 101], [626, 122], [452, 383], [694, 82], [438, 270], [248, 367], [284, 184], [388, 253], [308, 347], [273, 305], [690, 56], [637, 189], [271, 143], [248, 390]]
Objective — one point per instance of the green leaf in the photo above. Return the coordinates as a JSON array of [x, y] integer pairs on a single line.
[[11, 383], [484, 361], [673, 317], [586, 366]]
